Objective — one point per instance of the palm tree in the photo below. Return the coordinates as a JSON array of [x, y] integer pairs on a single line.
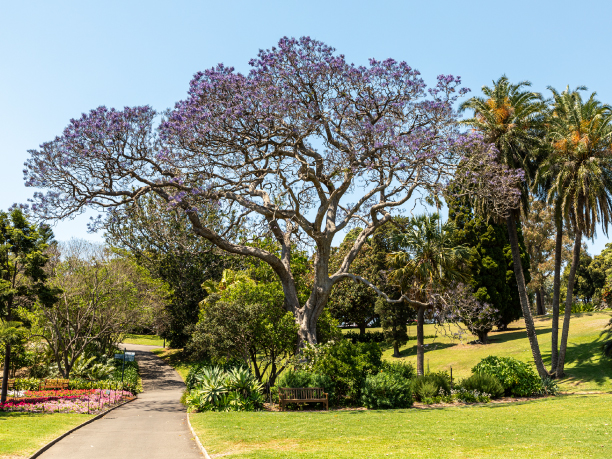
[[511, 118], [431, 260], [578, 172]]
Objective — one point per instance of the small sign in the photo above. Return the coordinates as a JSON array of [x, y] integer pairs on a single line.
[[119, 356], [129, 358], [130, 353]]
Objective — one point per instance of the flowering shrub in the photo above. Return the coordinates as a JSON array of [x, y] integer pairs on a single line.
[[86, 401], [470, 396]]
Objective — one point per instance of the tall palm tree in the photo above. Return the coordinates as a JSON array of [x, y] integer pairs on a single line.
[[578, 171], [510, 117], [430, 260]]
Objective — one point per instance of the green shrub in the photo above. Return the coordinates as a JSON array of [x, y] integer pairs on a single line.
[[27, 383], [471, 396], [484, 384], [431, 385], [217, 389], [517, 378], [386, 390], [345, 363], [402, 369], [549, 387]]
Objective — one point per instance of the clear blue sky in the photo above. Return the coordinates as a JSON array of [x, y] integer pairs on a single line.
[[61, 58]]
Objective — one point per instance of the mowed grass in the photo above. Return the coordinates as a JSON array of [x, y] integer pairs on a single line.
[[573, 426], [585, 367], [149, 340], [21, 434]]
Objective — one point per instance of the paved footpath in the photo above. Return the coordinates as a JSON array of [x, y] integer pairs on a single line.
[[152, 426]]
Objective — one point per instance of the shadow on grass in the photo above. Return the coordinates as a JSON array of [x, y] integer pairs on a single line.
[[588, 363], [412, 350]]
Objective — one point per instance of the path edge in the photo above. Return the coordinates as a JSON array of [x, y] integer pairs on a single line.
[[65, 434], [197, 439]]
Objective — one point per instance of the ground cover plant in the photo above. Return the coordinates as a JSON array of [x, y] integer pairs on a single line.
[[21, 434], [567, 426]]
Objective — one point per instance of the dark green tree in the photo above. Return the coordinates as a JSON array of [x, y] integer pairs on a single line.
[[491, 263], [22, 276]]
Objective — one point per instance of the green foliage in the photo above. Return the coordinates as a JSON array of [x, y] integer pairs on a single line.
[[328, 328], [471, 396], [247, 320], [491, 264], [196, 371], [89, 368], [431, 385], [225, 390], [393, 320], [345, 363], [386, 390], [485, 384], [517, 378], [401, 369], [301, 378]]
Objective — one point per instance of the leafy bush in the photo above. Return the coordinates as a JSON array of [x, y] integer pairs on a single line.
[[91, 369], [483, 383], [27, 383], [218, 389], [401, 369], [386, 390], [345, 363], [471, 396], [431, 385], [517, 378]]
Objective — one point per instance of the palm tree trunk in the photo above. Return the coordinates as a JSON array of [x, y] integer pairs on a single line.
[[420, 339], [540, 302], [520, 281], [568, 304], [555, 302]]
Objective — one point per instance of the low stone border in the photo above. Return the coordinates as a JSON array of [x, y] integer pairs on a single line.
[[197, 440], [65, 434]]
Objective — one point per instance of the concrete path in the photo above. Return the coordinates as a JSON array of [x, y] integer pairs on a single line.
[[153, 426]]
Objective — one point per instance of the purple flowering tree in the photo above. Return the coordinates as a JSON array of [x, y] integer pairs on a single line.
[[281, 151]]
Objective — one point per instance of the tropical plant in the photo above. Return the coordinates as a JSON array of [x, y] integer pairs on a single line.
[[430, 260], [578, 174], [510, 118]]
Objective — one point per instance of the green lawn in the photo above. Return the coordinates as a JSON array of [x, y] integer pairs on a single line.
[[575, 426], [150, 340], [585, 367], [21, 434]]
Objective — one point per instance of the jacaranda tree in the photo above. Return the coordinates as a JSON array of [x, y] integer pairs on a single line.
[[300, 148]]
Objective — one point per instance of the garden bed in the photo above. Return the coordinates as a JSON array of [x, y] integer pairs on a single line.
[[87, 401]]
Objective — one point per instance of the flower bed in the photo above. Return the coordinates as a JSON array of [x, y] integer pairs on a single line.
[[67, 401]]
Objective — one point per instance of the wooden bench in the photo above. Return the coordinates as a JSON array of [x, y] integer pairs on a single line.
[[54, 384], [302, 395], [11, 384]]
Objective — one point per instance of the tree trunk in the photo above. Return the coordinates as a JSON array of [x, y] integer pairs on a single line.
[[520, 281], [396, 352], [568, 304], [420, 338], [540, 311], [362, 328], [555, 302], [5, 372]]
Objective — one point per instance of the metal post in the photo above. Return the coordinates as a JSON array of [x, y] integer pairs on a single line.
[[123, 369], [451, 376]]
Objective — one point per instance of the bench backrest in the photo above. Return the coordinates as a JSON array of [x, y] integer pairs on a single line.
[[301, 393], [11, 384], [55, 384]]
